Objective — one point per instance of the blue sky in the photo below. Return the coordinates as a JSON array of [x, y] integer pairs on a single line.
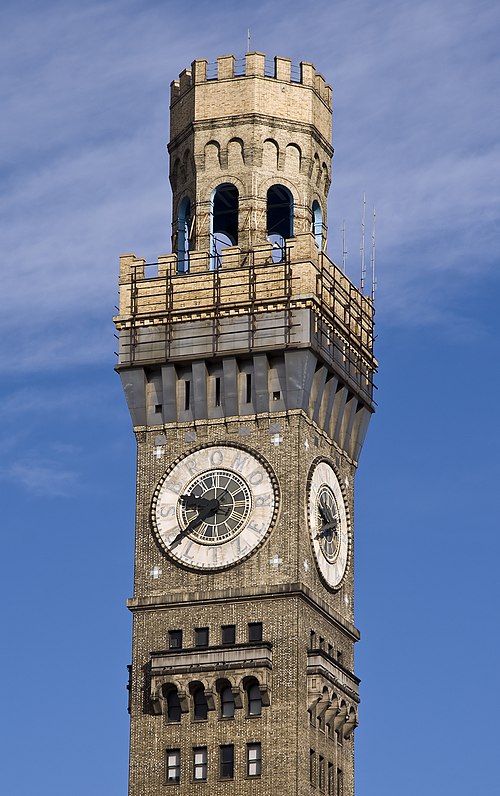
[[84, 93]]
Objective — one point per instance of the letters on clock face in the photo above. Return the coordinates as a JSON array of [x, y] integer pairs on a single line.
[[328, 524], [214, 507]]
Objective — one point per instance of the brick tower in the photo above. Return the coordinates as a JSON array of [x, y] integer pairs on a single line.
[[246, 357]]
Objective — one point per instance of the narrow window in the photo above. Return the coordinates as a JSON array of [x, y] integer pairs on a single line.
[[254, 759], [317, 224], [330, 779], [200, 706], [173, 766], [226, 761], [187, 394], [279, 219], [223, 222], [228, 634], [201, 637], [312, 640], [276, 395], [200, 759], [340, 783], [255, 631], [249, 388], [217, 390], [175, 639], [311, 767], [254, 700], [173, 706], [321, 773], [183, 230], [227, 703]]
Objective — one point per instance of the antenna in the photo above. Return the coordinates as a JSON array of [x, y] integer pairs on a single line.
[[344, 250], [374, 280], [362, 247], [248, 40]]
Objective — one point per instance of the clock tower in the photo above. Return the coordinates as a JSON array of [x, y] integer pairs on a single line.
[[246, 357]]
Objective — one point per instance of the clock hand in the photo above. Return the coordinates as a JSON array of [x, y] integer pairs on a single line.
[[206, 511], [194, 501]]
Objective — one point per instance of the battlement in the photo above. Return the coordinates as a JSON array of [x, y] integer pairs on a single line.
[[249, 302], [255, 64]]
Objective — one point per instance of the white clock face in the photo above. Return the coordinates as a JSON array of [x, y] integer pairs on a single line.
[[214, 507], [328, 524]]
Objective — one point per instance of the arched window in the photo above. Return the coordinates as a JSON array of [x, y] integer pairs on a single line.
[[200, 706], [317, 224], [227, 703], [183, 229], [254, 699], [279, 224], [173, 705], [223, 221]]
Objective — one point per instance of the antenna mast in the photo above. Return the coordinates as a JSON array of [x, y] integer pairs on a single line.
[[362, 248], [374, 280], [344, 250], [248, 40]]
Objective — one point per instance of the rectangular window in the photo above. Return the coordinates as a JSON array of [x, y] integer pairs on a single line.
[[217, 390], [200, 758], [175, 639], [249, 388], [201, 637], [228, 634], [173, 766], [330, 779], [187, 394], [312, 777], [226, 761], [255, 631], [254, 759], [340, 784], [321, 773]]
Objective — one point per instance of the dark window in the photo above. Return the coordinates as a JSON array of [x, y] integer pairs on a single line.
[[187, 394], [226, 766], [255, 631], [175, 639], [228, 634], [200, 758], [312, 778], [227, 703], [340, 783], [217, 390], [172, 766], [321, 773], [248, 396], [254, 759], [201, 637], [183, 230], [330, 779], [173, 706], [254, 700], [224, 221], [200, 707], [279, 219]]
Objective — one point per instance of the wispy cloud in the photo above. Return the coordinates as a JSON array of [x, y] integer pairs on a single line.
[[42, 477]]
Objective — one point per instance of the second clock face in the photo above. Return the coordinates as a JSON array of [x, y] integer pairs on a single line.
[[328, 524], [214, 507]]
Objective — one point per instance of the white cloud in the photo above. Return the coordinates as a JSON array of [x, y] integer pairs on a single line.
[[84, 170]]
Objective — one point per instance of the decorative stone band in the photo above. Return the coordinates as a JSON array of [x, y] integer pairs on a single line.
[[238, 656], [321, 666]]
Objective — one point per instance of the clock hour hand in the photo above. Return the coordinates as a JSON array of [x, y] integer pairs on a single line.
[[194, 501]]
